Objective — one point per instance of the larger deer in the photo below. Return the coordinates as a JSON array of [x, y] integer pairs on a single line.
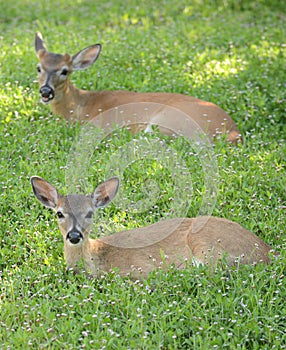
[[80, 105], [139, 251]]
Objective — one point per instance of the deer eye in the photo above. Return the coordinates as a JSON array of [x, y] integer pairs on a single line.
[[39, 69], [64, 72], [89, 215], [60, 215]]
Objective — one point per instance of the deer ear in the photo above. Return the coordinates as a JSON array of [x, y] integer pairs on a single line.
[[105, 192], [86, 57], [39, 44], [44, 192]]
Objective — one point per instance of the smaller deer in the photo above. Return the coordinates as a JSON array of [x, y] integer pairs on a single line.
[[169, 111], [139, 251]]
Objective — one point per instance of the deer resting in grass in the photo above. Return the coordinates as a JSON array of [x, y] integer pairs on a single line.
[[137, 252], [80, 105]]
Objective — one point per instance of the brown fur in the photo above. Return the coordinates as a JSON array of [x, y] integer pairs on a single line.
[[202, 240], [168, 110]]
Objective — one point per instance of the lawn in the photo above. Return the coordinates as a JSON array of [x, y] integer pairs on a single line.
[[231, 53]]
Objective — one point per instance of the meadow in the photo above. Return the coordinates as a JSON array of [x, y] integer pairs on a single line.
[[231, 53]]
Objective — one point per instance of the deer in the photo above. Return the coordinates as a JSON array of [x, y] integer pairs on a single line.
[[100, 107], [137, 252]]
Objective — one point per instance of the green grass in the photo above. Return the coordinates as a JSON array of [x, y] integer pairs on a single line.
[[229, 52]]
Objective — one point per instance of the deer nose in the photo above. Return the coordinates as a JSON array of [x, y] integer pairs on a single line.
[[74, 237], [47, 93]]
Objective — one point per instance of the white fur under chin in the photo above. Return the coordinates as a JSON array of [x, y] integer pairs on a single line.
[[72, 245]]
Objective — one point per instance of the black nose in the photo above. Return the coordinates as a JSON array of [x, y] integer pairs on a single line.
[[74, 237], [47, 92]]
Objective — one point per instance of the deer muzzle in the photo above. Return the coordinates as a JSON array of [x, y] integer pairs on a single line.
[[74, 237], [47, 93]]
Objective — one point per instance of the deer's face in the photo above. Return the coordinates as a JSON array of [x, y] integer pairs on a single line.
[[53, 71], [74, 211], [75, 214]]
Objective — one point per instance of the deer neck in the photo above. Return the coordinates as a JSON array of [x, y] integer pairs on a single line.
[[93, 255], [73, 255], [87, 253], [74, 104]]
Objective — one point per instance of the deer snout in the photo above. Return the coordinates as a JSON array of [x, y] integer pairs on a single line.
[[47, 93], [74, 237]]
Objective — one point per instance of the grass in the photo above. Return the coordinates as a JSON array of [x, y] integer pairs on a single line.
[[229, 52]]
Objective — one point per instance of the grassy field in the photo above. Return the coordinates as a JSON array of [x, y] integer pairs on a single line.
[[228, 52]]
